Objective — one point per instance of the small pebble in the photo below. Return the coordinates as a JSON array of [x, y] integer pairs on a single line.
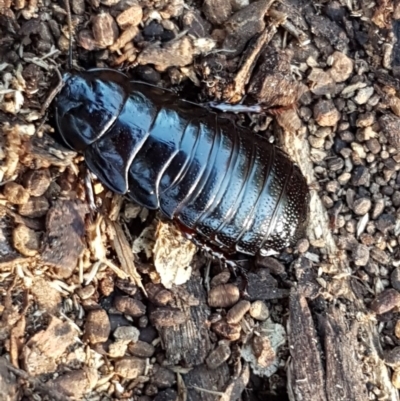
[[148, 334], [239, 4], [361, 176], [380, 256], [395, 278], [259, 310], [223, 296], [35, 207], [359, 150], [237, 312], [15, 193], [104, 29], [374, 146], [362, 206], [325, 113], [218, 356], [97, 326], [392, 357], [78, 7], [344, 178], [106, 286], [332, 186], [117, 349], [130, 367], [77, 382], [316, 142], [363, 95], [130, 306], [37, 181], [360, 255], [378, 209], [132, 16], [163, 377], [166, 395], [217, 11], [263, 351], [327, 201], [228, 331], [385, 301], [397, 329], [342, 67], [150, 390], [126, 286], [221, 278], [396, 198], [110, 3], [194, 23], [390, 125], [321, 82], [347, 136], [126, 333], [335, 163], [385, 223], [272, 264], [25, 240], [365, 120], [367, 239], [86, 292], [141, 349], [143, 322]]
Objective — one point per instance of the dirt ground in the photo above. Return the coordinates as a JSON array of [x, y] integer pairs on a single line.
[[114, 303]]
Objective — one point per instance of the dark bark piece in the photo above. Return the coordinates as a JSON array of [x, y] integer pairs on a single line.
[[244, 25], [272, 83], [189, 343], [340, 376], [46, 151], [201, 382], [234, 91], [7, 251], [264, 288], [323, 27], [33, 224], [63, 242], [344, 376], [40, 355], [306, 376]]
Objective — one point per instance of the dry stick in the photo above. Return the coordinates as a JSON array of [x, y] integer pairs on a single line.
[[236, 89], [290, 28], [124, 253], [43, 388], [52, 95], [69, 21]]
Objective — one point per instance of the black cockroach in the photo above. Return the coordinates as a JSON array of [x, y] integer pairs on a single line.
[[222, 184]]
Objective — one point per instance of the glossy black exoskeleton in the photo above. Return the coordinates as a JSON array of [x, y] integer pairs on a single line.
[[223, 184]]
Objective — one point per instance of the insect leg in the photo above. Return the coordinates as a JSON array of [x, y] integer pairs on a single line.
[[235, 267]]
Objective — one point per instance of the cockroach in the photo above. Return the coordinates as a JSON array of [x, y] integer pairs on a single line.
[[223, 185], [228, 189]]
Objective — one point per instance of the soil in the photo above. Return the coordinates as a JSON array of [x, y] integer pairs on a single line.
[[102, 299]]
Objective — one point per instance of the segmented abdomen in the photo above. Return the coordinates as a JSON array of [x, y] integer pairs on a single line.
[[228, 185]]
